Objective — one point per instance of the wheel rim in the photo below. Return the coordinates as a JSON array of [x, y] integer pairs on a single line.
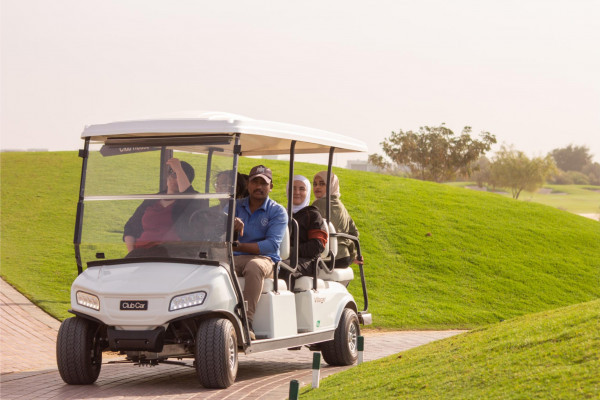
[[352, 338], [96, 351], [232, 353]]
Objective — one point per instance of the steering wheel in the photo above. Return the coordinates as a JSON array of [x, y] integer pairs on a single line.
[[207, 225]]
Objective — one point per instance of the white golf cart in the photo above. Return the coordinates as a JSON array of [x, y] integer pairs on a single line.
[[186, 300]]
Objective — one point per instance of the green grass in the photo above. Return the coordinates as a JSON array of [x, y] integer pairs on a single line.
[[577, 199], [548, 355], [437, 257]]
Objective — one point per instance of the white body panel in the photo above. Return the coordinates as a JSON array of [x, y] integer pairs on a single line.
[[281, 314], [321, 309], [155, 282], [275, 315]]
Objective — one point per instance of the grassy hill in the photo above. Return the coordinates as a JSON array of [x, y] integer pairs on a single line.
[[548, 355], [436, 256], [578, 199]]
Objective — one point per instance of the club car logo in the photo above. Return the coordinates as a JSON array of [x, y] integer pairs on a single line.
[[134, 305]]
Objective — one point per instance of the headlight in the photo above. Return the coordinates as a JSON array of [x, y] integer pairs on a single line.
[[187, 300], [88, 300]]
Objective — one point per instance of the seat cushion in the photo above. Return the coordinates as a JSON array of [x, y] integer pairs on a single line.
[[305, 283], [267, 285], [338, 275]]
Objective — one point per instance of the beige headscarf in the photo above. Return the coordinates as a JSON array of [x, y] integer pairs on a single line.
[[334, 188]]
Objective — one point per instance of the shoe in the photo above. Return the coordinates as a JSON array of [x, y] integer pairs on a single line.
[[251, 331]]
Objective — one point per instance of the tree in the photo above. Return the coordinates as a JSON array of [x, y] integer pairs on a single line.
[[512, 169], [572, 158], [379, 161], [434, 153], [481, 171], [593, 172]]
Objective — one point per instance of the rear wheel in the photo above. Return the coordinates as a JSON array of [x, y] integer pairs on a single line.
[[78, 351], [343, 349], [216, 353]]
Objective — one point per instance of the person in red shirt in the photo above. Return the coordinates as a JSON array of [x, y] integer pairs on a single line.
[[155, 221]]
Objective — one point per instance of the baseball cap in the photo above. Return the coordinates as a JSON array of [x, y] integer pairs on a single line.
[[262, 171]]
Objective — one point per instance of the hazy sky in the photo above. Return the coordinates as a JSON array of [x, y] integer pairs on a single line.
[[526, 71]]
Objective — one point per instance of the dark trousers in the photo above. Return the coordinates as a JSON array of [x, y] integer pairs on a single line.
[[341, 262]]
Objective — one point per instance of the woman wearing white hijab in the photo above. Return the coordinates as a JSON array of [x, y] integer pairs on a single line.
[[311, 238], [300, 193], [341, 220]]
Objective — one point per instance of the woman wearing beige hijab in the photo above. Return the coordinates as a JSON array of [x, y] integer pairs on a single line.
[[341, 220]]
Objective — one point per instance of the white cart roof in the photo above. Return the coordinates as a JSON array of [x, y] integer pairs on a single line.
[[258, 137]]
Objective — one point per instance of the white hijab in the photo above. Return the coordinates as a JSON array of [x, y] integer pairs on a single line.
[[306, 182], [334, 188]]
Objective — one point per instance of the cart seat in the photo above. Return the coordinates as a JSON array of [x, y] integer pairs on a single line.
[[332, 242], [284, 248], [343, 275], [338, 275], [267, 284], [305, 283]]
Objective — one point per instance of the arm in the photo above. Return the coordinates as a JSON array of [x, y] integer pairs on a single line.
[[252, 248], [311, 248], [311, 223], [353, 229], [129, 242], [182, 180]]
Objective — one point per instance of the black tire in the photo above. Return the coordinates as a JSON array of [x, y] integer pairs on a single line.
[[343, 349], [78, 351], [216, 353]]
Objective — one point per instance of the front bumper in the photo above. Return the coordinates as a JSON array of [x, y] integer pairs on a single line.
[[128, 340]]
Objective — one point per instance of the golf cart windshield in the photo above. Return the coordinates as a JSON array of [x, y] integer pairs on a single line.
[[132, 194]]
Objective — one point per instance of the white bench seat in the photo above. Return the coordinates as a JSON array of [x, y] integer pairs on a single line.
[[338, 275], [267, 285], [305, 283]]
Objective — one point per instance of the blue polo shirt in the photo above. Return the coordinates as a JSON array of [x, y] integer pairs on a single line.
[[265, 226]]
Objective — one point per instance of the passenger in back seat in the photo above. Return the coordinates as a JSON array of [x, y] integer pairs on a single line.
[[340, 218], [311, 237]]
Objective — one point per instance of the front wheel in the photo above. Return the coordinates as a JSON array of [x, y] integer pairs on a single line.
[[343, 349], [78, 351], [216, 353]]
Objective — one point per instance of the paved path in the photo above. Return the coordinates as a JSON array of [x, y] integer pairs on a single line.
[[28, 364]]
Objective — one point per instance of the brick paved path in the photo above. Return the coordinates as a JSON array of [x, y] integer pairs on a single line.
[[28, 364]]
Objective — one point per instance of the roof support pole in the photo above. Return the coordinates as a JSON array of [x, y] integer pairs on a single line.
[[290, 191], [79, 217], [328, 183], [165, 155], [293, 235]]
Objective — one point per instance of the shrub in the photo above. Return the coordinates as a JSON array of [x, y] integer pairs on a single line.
[[593, 173], [578, 178]]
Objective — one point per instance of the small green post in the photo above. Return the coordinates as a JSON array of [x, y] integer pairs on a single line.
[[316, 360], [316, 370], [294, 388], [361, 347]]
